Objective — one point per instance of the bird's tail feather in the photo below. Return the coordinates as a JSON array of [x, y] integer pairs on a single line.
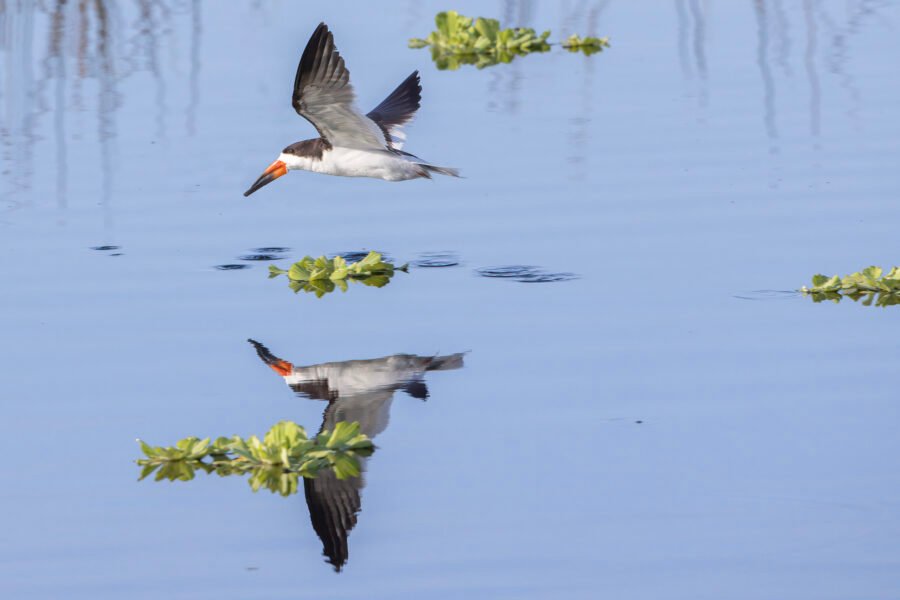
[[428, 169]]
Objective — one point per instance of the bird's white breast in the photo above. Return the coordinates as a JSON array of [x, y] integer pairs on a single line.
[[350, 162]]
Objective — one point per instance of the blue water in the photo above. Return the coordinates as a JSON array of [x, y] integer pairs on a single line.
[[639, 431]]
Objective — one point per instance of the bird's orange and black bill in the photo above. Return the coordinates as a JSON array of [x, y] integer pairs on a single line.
[[275, 170]]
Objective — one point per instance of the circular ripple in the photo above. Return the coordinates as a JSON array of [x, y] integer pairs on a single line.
[[259, 257], [525, 274], [357, 255], [271, 249], [436, 260]]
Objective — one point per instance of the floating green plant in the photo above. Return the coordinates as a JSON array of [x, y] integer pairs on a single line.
[[323, 275], [869, 285], [275, 463], [460, 40], [587, 45]]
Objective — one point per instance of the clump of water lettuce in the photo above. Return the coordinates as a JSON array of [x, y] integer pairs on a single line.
[[870, 286], [460, 40], [276, 462], [323, 275], [586, 45]]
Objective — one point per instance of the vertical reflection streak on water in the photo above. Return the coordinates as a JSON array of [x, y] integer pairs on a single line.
[[580, 136], [196, 32], [569, 17], [700, 50], [840, 48], [762, 60], [413, 12], [812, 75], [80, 53], [17, 125], [782, 28], [683, 52], [148, 45], [79, 40], [106, 113], [56, 57], [516, 14], [496, 99]]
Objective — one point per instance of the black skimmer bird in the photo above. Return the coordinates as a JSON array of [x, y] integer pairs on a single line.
[[356, 390], [350, 144]]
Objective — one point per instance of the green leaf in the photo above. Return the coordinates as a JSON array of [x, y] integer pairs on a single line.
[[298, 273], [872, 272], [346, 466], [148, 470], [285, 434], [818, 280], [318, 274], [148, 450]]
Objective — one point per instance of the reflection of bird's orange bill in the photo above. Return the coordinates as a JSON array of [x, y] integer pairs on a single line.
[[282, 367]]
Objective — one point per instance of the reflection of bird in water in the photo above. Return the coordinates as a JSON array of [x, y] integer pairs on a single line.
[[350, 144], [356, 390]]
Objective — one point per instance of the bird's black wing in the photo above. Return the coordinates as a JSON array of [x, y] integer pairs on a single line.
[[397, 110], [323, 96]]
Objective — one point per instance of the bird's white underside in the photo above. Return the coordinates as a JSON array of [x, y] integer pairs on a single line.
[[353, 162]]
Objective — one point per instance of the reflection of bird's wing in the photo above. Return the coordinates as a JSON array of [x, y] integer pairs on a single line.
[[369, 385], [333, 504], [372, 410], [355, 377], [323, 96]]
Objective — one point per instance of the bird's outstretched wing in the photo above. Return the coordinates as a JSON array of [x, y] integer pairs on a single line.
[[397, 110], [323, 96]]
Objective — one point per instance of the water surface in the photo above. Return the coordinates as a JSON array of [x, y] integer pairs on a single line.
[[639, 431]]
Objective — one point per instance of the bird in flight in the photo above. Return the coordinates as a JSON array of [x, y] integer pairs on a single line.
[[350, 144]]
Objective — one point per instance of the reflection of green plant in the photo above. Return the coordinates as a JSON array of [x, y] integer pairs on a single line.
[[321, 275], [870, 285], [588, 45], [460, 40], [276, 462]]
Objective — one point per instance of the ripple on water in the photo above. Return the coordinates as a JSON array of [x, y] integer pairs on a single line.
[[265, 253], [271, 249], [231, 267], [436, 260], [259, 257], [525, 274], [357, 255], [105, 248]]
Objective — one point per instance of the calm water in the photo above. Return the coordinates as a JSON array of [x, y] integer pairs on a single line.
[[639, 431]]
